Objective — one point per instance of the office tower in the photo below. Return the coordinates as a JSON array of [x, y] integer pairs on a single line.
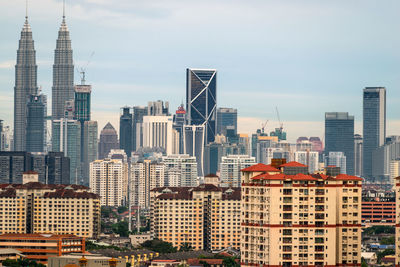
[[193, 140], [25, 84], [125, 130], [67, 138], [374, 125], [201, 100], [180, 170], [381, 158], [337, 159], [13, 165], [137, 127], [213, 153], [339, 136], [358, 152], [82, 102], [58, 168], [226, 117], [63, 73], [285, 219], [262, 145], [230, 167], [108, 140], [36, 122], [309, 158], [157, 132], [90, 149], [211, 218], [145, 176], [157, 108], [107, 180], [25, 216], [179, 122]]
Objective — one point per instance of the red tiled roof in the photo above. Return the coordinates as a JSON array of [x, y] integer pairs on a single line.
[[293, 164], [36, 236], [260, 167], [281, 176], [209, 261], [346, 177], [30, 172]]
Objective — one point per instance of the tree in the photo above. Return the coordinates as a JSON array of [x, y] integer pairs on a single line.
[[230, 262], [121, 228], [186, 247], [122, 209], [388, 240], [159, 246], [22, 262], [384, 253]]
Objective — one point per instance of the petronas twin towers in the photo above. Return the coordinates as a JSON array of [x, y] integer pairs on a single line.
[[26, 80]]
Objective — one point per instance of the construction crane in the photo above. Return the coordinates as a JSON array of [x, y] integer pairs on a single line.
[[263, 125], [82, 70], [279, 119]]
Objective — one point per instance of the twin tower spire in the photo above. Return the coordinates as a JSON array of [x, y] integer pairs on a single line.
[[26, 78]]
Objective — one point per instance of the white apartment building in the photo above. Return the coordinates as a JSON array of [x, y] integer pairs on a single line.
[[230, 167], [309, 158], [180, 170]]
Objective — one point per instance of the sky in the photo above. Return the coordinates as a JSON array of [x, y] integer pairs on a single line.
[[305, 57]]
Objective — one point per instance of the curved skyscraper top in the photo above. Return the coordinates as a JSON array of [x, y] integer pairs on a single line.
[[25, 84], [63, 73]]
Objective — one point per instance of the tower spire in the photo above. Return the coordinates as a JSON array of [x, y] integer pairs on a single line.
[[63, 9], [26, 10]]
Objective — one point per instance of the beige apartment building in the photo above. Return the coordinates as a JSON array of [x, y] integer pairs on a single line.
[[397, 188], [299, 219], [206, 216], [57, 209]]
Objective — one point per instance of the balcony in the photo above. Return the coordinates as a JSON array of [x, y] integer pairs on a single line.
[[319, 200], [287, 200], [287, 240], [287, 249], [319, 256], [319, 208], [287, 192], [287, 208], [287, 216], [320, 192], [287, 256], [319, 248]]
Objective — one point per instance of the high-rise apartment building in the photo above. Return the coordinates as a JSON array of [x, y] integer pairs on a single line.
[[157, 132], [125, 130], [201, 100], [107, 179], [394, 171], [263, 143], [25, 84], [381, 158], [180, 170], [337, 159], [207, 217], [59, 209], [7, 141], [230, 167], [108, 140], [397, 235], [358, 153], [339, 137], [299, 220], [193, 144], [309, 158], [67, 138], [63, 73], [226, 117], [36, 123], [145, 176], [374, 125]]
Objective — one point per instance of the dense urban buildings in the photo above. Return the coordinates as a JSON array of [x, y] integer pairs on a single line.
[[180, 170], [25, 84], [108, 140], [374, 125], [107, 179], [193, 144], [207, 217], [339, 137], [295, 220], [157, 132], [63, 73], [226, 117], [137, 130], [201, 100], [125, 130], [337, 159], [383, 156], [230, 167], [59, 209]]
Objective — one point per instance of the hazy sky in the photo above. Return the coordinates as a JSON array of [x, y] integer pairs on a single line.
[[305, 57]]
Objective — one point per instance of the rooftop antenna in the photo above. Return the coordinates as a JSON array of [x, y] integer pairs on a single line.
[[82, 71], [63, 9], [26, 10]]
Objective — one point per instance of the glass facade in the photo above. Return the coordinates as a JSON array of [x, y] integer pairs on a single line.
[[374, 125], [226, 117], [35, 130], [339, 137], [125, 131]]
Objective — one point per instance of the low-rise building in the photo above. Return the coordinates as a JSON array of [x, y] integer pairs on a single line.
[[89, 260]]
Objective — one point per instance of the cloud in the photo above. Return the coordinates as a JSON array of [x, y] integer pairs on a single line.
[[7, 64]]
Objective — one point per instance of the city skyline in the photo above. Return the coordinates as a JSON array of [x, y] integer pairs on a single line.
[[294, 81]]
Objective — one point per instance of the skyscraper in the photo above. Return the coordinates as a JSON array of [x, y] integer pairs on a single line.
[[179, 122], [63, 72], [226, 117], [358, 144], [82, 102], [13, 165], [374, 124], [25, 84], [125, 131], [108, 140], [201, 100], [157, 132], [90, 148], [193, 139], [137, 129], [337, 159], [339, 137], [157, 108], [35, 130]]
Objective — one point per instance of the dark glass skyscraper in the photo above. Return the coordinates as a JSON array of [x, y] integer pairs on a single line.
[[82, 102], [63, 73], [374, 125], [125, 131], [25, 84], [339, 136], [201, 100], [137, 126], [226, 117], [35, 130]]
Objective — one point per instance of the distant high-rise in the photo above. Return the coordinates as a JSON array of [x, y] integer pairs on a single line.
[[25, 84], [358, 143], [180, 170], [179, 122], [63, 73], [13, 165], [137, 127], [90, 149], [157, 132], [36, 123], [193, 139], [1, 135], [125, 131], [374, 124], [339, 137], [82, 102], [226, 117], [108, 140], [157, 108], [231, 167], [201, 100], [337, 159]]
